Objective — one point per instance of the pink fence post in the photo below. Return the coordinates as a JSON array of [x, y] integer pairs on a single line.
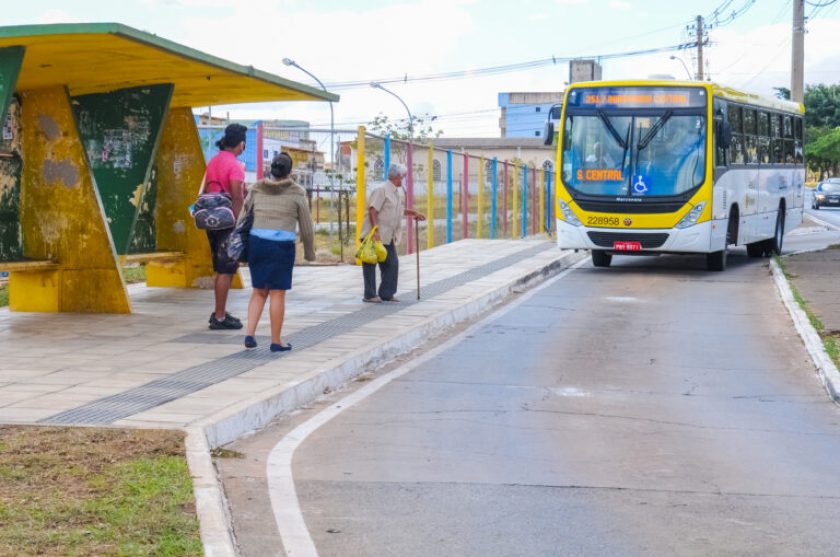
[[504, 200], [465, 197], [409, 196]]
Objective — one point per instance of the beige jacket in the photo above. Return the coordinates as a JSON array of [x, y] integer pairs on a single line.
[[389, 202], [282, 205]]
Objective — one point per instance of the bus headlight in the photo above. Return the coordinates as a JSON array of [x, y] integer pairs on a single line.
[[820, 196], [568, 214], [691, 218]]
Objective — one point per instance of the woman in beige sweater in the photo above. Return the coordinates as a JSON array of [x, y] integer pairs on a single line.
[[280, 209]]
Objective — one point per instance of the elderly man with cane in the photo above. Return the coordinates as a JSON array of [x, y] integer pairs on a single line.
[[385, 210]]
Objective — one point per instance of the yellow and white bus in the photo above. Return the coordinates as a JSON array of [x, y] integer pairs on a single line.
[[649, 167]]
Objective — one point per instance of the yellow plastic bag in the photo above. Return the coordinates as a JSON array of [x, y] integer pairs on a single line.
[[381, 252], [367, 251]]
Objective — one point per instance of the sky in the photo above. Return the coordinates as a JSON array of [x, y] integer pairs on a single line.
[[370, 40]]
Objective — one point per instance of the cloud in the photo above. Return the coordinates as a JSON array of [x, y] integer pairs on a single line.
[[57, 16], [389, 39], [755, 60], [345, 44], [620, 5]]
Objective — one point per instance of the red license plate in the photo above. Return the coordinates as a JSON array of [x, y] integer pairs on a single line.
[[627, 246]]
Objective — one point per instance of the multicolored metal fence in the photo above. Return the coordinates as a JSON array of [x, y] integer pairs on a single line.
[[463, 195]]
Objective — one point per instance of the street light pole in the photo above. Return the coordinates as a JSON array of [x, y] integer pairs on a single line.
[[680, 60], [376, 85], [410, 185], [290, 62]]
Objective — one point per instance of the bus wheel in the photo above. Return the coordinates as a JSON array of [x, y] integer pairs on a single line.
[[716, 261], [756, 249], [773, 246], [600, 258]]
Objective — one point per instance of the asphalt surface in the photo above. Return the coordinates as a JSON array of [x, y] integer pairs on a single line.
[[830, 215], [652, 408]]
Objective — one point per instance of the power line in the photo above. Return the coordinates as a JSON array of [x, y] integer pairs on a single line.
[[518, 66], [717, 22]]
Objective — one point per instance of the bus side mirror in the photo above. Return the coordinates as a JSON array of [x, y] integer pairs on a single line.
[[548, 134]]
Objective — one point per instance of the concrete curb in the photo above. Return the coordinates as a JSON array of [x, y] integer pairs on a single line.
[[826, 369], [255, 413], [216, 528], [211, 507]]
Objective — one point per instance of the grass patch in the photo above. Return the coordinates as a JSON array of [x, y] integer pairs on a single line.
[[134, 274], [219, 452], [4, 296], [829, 340], [87, 491]]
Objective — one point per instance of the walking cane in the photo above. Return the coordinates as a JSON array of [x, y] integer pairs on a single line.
[[417, 251]]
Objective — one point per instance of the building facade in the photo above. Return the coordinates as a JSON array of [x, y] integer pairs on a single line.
[[524, 114]]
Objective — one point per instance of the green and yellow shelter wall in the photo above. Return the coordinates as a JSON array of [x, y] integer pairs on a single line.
[[100, 160]]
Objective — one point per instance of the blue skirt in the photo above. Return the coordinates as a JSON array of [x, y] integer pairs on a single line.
[[271, 263]]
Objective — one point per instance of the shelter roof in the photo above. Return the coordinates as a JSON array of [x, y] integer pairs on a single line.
[[102, 57]]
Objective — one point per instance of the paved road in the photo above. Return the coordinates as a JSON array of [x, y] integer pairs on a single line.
[[830, 215], [651, 408]]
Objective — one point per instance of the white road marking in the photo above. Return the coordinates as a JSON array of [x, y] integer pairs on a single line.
[[281, 485], [624, 299], [570, 392], [822, 222]]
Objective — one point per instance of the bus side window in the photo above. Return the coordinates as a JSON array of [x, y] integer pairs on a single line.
[[720, 153], [718, 122], [787, 132], [798, 155], [776, 145], [750, 139], [736, 150], [763, 138]]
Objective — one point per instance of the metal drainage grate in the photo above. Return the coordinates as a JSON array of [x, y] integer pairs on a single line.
[[193, 379]]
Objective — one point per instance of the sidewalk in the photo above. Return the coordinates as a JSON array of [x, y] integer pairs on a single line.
[[160, 367]]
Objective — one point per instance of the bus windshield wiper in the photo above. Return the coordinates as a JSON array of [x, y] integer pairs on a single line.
[[643, 142], [611, 129]]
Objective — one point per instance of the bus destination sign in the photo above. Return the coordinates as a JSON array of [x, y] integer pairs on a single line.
[[637, 97]]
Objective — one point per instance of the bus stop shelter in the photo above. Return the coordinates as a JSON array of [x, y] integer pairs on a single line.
[[100, 159]]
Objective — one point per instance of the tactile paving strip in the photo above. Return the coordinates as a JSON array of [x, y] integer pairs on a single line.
[[160, 391]]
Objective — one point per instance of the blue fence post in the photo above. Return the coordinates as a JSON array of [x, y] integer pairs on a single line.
[[524, 199], [448, 196], [493, 201], [548, 202], [387, 150]]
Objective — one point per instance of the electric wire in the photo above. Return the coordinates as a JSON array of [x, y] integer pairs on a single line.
[[492, 70]]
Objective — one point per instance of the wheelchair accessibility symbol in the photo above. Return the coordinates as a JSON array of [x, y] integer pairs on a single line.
[[639, 185]]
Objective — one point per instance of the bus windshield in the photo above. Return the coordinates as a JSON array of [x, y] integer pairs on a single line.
[[634, 155]]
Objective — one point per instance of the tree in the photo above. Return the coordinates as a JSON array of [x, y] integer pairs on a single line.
[[822, 104], [822, 128], [822, 150], [398, 129], [782, 93]]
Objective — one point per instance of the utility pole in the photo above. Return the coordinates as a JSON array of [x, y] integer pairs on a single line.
[[700, 47], [797, 67]]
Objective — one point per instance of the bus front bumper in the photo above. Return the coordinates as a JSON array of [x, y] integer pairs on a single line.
[[694, 239]]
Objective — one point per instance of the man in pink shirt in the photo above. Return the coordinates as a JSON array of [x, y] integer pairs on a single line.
[[226, 174]]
